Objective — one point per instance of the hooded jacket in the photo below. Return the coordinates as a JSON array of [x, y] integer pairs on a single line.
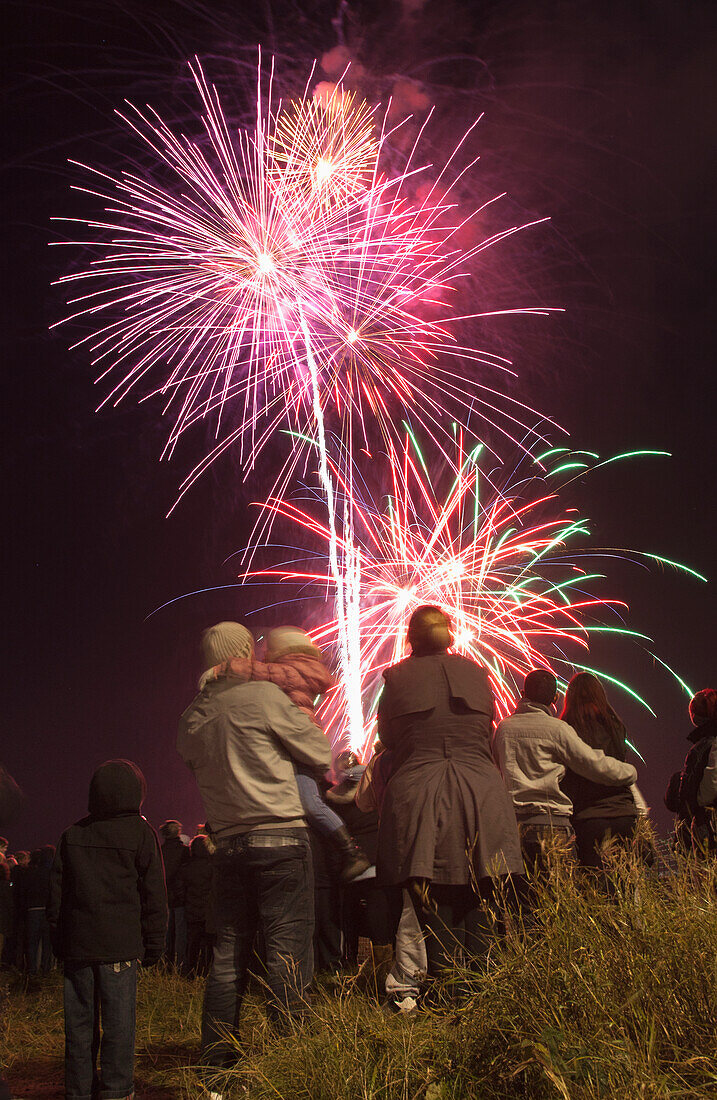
[[107, 897], [533, 750], [301, 676]]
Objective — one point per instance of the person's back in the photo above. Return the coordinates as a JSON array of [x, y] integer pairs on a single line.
[[36, 882], [437, 707], [534, 749], [197, 879], [445, 792], [243, 741], [600, 811], [104, 866], [693, 791], [296, 665], [236, 738], [107, 909], [175, 855]]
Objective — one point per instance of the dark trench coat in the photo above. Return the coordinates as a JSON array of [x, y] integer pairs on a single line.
[[446, 815]]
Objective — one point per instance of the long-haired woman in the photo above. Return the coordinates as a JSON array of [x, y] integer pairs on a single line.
[[598, 811]]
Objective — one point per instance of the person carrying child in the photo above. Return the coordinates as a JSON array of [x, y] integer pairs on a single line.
[[296, 666], [107, 909]]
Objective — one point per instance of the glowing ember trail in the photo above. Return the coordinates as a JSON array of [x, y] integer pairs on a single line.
[[496, 560], [346, 581]]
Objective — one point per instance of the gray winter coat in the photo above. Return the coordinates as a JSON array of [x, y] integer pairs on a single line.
[[446, 815]]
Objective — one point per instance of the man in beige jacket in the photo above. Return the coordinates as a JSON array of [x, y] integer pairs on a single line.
[[532, 750], [242, 740]]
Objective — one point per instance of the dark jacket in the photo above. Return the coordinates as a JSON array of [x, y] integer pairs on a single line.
[[362, 826], [599, 800], [446, 814], [694, 820], [196, 874], [175, 856], [6, 900], [36, 883], [107, 896]]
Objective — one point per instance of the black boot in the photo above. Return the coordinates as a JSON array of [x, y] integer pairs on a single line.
[[354, 860]]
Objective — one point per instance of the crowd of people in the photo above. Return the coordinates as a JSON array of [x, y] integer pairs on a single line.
[[424, 852]]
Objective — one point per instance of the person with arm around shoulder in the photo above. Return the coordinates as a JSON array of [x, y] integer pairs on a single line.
[[533, 749]]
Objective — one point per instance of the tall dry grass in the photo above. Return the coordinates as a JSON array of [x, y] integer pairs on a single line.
[[610, 993]]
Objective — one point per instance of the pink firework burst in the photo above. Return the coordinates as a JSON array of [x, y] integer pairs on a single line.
[[218, 270], [491, 551]]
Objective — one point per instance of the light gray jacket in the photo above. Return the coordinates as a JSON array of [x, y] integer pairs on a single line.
[[242, 741], [533, 749]]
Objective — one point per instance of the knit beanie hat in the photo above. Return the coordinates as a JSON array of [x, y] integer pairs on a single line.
[[703, 706], [224, 641], [289, 639]]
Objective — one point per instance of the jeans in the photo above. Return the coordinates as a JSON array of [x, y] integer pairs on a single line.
[[264, 884], [39, 948], [317, 813], [108, 990]]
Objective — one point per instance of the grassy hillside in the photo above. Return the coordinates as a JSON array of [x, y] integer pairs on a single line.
[[608, 995]]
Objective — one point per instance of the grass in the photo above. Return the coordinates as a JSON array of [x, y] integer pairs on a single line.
[[610, 995]]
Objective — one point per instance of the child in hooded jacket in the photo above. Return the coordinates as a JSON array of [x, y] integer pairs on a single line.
[[107, 909], [296, 666]]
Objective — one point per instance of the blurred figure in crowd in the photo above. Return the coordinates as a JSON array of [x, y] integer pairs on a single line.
[[692, 792], [175, 856]]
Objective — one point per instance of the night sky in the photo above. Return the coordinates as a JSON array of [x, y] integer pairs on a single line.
[[601, 116]]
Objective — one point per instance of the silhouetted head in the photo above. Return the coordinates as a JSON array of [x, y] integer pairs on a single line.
[[540, 687], [3, 845], [170, 829], [117, 787], [703, 706], [200, 847], [429, 631], [23, 858]]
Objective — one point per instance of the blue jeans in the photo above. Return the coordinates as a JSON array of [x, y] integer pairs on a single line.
[[317, 813], [109, 990], [265, 884]]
